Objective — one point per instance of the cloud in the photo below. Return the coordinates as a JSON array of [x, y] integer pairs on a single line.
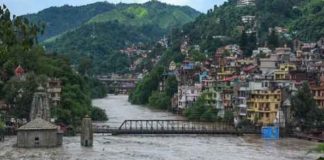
[[20, 7]]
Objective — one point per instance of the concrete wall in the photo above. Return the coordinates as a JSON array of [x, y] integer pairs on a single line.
[[46, 138]]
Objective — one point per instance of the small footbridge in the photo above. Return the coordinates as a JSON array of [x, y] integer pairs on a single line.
[[172, 127]]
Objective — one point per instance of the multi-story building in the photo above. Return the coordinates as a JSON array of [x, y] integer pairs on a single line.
[[318, 92], [226, 72], [283, 72], [268, 65], [187, 95], [263, 106], [261, 50], [54, 89], [209, 95]]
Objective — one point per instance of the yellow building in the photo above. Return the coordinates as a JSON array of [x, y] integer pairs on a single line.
[[283, 72], [226, 72], [263, 106], [246, 61]]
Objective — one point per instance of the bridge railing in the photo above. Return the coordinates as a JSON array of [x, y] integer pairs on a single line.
[[174, 125]]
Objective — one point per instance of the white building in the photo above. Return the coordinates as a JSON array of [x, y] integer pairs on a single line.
[[187, 95]]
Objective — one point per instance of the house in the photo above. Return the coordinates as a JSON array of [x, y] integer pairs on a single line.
[[4, 106], [261, 50], [248, 19], [283, 72], [19, 71], [187, 95], [269, 65], [318, 92], [39, 133], [263, 106], [54, 89], [172, 66]]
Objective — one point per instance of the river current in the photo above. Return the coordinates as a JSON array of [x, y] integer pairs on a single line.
[[161, 147]]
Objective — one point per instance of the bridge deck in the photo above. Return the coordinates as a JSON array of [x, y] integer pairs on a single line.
[[172, 127]]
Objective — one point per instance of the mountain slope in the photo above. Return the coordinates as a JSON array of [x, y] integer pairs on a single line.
[[224, 24], [309, 26], [61, 19], [101, 38], [163, 15]]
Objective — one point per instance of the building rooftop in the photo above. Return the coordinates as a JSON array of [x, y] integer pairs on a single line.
[[38, 124]]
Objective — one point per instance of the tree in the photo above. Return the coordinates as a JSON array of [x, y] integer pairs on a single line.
[[201, 111], [304, 108], [273, 39], [84, 65], [171, 86], [244, 42], [98, 114], [160, 100]]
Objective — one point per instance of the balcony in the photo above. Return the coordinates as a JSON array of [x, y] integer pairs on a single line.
[[253, 100], [242, 106], [319, 97]]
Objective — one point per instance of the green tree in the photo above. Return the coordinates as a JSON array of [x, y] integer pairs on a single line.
[[244, 42], [273, 40], [98, 114], [171, 86], [85, 65], [159, 100], [304, 108], [145, 88], [200, 111]]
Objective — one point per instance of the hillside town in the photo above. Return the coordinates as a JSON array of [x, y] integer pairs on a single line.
[[256, 88]]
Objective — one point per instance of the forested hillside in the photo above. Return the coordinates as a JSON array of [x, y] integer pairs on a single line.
[[99, 40], [58, 20]]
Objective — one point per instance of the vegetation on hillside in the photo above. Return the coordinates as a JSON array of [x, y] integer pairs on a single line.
[[58, 20], [18, 47], [309, 26], [101, 37], [156, 13]]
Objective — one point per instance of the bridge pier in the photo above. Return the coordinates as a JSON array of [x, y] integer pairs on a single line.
[[86, 132]]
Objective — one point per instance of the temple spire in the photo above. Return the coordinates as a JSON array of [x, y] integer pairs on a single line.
[[40, 106]]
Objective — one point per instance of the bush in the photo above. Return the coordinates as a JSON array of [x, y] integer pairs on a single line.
[[229, 116], [201, 112], [98, 114], [159, 100]]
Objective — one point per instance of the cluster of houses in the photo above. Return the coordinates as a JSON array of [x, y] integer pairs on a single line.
[[138, 57], [256, 88]]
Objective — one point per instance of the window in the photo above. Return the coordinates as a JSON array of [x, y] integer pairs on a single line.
[[36, 141], [277, 106]]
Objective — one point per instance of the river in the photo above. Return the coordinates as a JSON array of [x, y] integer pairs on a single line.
[[160, 147]]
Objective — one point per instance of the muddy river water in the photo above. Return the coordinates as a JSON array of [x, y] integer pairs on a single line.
[[161, 147]]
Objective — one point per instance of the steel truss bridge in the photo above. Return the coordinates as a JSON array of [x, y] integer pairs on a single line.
[[172, 127]]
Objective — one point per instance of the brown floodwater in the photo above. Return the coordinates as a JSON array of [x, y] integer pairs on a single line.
[[161, 147]]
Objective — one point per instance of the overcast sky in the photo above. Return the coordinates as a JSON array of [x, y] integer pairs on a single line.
[[20, 7]]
